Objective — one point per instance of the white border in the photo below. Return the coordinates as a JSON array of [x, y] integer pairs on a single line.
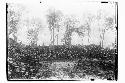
[[121, 34]]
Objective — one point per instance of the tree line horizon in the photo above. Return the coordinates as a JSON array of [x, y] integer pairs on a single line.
[[57, 20]]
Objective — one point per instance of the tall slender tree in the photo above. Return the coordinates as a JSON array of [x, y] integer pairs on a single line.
[[53, 18], [87, 25], [105, 23]]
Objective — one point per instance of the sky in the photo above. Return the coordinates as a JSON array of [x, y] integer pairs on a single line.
[[77, 8]]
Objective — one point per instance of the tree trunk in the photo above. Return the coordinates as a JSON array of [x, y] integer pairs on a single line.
[[53, 36], [88, 36], [57, 39], [57, 36], [15, 37], [68, 38], [102, 39]]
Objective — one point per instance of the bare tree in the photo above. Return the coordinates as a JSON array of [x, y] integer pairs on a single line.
[[71, 26], [58, 23], [87, 26], [32, 33], [32, 36], [13, 18], [53, 18], [106, 24]]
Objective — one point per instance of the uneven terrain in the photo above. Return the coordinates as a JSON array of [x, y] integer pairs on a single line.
[[60, 62]]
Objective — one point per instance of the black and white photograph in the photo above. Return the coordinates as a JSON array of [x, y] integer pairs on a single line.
[[56, 40]]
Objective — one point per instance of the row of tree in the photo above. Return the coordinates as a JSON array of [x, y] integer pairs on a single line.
[[56, 20], [72, 24]]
